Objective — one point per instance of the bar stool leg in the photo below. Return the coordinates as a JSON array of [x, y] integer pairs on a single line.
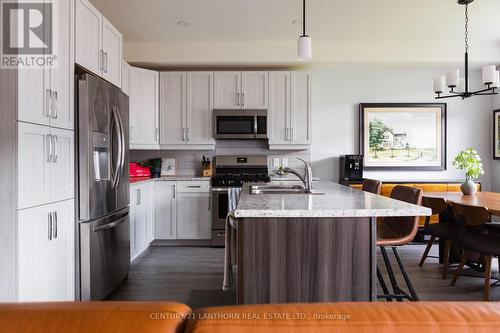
[[427, 249], [390, 272], [405, 275], [383, 285], [487, 275]]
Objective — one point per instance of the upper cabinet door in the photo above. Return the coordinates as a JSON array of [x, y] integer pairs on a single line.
[[254, 90], [35, 151], [300, 108], [279, 108], [61, 77], [227, 90], [173, 108], [199, 108], [62, 167], [126, 78], [143, 101], [88, 42], [112, 53]]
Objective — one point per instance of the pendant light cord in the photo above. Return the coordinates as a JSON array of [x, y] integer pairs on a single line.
[[304, 18], [466, 28]]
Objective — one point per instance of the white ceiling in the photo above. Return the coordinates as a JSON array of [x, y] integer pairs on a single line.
[[431, 30]]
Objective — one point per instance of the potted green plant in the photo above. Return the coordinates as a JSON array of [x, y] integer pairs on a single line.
[[154, 166], [470, 161]]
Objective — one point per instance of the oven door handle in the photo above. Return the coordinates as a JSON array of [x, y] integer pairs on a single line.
[[220, 190]]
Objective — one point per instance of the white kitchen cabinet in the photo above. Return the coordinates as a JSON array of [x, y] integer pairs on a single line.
[[300, 108], [199, 105], [46, 236], [126, 78], [227, 89], [193, 210], [254, 92], [172, 108], [186, 103], [88, 37], [144, 116], [279, 108], [112, 53], [289, 110], [165, 210], [46, 165], [98, 44], [141, 217], [45, 94], [240, 90]]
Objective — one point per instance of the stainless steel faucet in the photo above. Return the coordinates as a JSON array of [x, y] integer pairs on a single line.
[[306, 178]]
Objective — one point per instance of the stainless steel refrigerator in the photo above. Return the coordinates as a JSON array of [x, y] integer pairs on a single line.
[[103, 186]]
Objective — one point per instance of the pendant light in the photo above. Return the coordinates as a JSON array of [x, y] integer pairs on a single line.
[[459, 87], [304, 47]]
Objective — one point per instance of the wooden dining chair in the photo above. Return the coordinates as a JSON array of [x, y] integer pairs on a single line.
[[372, 185], [476, 239], [394, 232], [445, 231]]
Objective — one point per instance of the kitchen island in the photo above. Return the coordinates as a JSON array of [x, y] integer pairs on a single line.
[[311, 247]]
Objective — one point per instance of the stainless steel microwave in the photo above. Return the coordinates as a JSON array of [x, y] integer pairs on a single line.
[[240, 124]]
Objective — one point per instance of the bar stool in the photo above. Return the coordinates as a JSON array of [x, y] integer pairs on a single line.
[[445, 231], [372, 186], [476, 239], [394, 232]]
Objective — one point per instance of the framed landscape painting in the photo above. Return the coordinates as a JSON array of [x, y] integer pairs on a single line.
[[403, 136], [496, 134]]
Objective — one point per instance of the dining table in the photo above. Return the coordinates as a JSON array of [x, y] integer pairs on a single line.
[[490, 200]]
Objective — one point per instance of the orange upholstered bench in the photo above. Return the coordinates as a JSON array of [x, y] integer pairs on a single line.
[[159, 317]]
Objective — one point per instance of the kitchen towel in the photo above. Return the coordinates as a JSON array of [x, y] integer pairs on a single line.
[[233, 195]]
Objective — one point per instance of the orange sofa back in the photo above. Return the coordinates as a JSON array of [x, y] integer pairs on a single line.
[[146, 317]]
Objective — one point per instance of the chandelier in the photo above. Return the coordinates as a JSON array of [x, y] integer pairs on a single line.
[[459, 87]]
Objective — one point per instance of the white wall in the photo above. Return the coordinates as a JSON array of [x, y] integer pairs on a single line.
[[337, 93], [495, 181]]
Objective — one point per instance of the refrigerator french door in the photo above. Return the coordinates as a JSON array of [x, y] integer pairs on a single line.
[[103, 187]]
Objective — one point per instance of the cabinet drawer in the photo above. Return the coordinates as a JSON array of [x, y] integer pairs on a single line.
[[193, 186]]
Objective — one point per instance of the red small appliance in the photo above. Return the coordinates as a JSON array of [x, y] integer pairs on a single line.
[[139, 171]]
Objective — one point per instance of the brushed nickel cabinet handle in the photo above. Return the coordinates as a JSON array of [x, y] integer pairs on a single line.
[[56, 148], [173, 191], [55, 105], [49, 227], [238, 99], [48, 103], [55, 225], [49, 145]]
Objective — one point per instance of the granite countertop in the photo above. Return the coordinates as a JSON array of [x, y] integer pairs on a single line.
[[135, 180], [337, 201]]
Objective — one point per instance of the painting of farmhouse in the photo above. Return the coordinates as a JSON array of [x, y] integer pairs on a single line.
[[403, 136]]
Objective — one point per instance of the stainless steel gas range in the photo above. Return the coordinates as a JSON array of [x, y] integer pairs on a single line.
[[232, 171]]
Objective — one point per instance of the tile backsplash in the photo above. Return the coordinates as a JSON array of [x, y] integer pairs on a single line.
[[189, 161]]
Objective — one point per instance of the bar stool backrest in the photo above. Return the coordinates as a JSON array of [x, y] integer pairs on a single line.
[[472, 216], [405, 225], [372, 186]]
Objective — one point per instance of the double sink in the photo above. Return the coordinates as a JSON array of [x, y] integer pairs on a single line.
[[280, 189]]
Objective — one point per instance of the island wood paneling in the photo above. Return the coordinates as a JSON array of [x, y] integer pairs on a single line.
[[282, 260]]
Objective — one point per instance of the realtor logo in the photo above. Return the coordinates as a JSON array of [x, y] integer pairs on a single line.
[[27, 34]]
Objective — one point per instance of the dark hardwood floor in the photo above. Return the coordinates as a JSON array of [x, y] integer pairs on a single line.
[[193, 275]]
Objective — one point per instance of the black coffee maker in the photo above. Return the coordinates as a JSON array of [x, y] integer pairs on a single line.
[[351, 167]]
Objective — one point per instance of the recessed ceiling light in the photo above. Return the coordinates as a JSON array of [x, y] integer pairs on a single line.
[[296, 22], [183, 23]]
